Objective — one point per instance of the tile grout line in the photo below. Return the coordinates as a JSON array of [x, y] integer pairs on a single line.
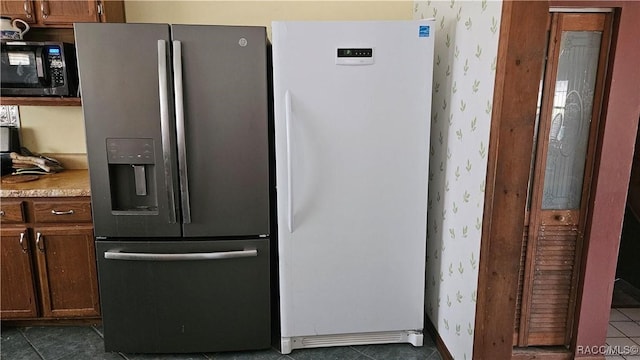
[[435, 350], [625, 315], [21, 330], [101, 335], [621, 330], [361, 353], [98, 332]]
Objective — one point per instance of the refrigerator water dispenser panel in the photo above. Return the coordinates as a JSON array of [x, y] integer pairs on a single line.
[[354, 56], [130, 160], [130, 151]]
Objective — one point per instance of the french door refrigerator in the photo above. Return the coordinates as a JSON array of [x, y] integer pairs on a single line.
[[352, 120], [177, 120]]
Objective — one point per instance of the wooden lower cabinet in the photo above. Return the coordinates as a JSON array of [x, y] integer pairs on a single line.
[[48, 265], [67, 271], [16, 275]]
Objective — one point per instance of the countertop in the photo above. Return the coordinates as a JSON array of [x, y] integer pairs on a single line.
[[68, 183]]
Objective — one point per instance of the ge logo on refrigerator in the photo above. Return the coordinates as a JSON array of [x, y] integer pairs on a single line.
[[242, 42]]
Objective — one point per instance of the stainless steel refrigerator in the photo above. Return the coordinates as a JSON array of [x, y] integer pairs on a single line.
[[177, 127]]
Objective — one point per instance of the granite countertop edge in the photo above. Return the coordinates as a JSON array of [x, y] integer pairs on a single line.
[[44, 193], [68, 183]]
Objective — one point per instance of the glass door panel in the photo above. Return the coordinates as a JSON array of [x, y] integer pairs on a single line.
[[571, 117]]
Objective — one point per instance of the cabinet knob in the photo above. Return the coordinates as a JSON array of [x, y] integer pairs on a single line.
[[1, 212]]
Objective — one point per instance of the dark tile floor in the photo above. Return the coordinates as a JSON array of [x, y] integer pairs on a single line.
[[85, 342]]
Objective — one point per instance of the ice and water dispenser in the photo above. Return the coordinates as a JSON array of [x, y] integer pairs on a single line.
[[131, 175]]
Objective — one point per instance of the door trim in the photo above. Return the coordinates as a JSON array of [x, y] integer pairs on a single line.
[[521, 51]]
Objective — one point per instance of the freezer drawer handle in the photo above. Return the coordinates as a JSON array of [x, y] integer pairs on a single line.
[[287, 121], [117, 255], [180, 131], [165, 127]]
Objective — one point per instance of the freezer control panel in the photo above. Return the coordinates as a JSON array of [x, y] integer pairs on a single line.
[[354, 56]]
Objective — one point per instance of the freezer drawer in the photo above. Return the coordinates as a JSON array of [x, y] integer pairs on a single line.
[[184, 296]]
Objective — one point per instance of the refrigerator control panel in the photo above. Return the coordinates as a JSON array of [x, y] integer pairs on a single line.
[[354, 56], [130, 151]]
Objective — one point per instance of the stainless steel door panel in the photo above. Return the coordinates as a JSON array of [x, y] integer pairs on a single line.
[[186, 296], [121, 78], [225, 103]]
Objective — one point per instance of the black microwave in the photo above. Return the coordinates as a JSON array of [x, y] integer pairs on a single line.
[[38, 69]]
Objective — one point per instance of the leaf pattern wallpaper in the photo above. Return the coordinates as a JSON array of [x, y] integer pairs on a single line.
[[466, 50]]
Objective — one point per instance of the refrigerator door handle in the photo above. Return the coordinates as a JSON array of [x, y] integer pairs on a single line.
[[180, 131], [287, 121], [222, 255], [165, 127]]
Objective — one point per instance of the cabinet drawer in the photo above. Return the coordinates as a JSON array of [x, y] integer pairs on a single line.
[[61, 211], [12, 212]]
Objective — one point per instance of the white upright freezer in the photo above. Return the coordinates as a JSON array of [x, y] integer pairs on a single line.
[[352, 119]]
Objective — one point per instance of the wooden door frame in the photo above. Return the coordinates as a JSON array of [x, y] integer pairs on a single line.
[[540, 218], [521, 52]]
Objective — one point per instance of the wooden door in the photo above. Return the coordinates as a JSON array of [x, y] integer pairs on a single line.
[[561, 177], [67, 271], [66, 12], [16, 275], [21, 9]]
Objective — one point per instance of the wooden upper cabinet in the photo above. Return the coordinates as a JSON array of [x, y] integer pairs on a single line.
[[63, 13], [54, 12], [24, 10]]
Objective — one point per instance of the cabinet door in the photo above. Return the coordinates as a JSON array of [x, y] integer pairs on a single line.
[[18, 299], [67, 270], [59, 12], [21, 9]]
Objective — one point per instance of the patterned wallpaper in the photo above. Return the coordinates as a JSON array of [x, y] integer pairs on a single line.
[[464, 72]]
